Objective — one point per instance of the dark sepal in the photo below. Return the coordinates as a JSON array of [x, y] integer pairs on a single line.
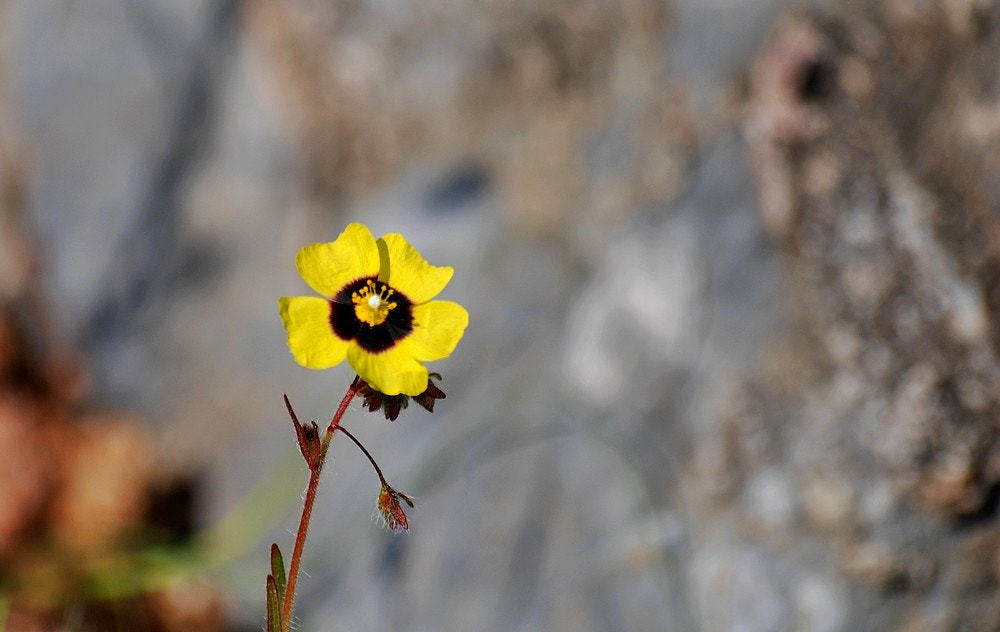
[[308, 437], [392, 405], [427, 398]]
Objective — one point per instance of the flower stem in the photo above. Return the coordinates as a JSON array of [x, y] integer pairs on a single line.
[[307, 506], [368, 454]]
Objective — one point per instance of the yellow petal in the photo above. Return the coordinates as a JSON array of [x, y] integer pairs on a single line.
[[406, 271], [437, 328], [328, 267], [391, 372], [310, 338]]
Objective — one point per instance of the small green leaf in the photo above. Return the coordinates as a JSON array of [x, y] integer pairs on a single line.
[[278, 572], [273, 606]]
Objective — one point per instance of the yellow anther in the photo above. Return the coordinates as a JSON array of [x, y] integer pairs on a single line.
[[371, 303]]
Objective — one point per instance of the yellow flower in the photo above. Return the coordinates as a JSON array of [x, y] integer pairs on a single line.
[[376, 311]]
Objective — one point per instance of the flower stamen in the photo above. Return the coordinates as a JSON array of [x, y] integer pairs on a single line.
[[372, 304]]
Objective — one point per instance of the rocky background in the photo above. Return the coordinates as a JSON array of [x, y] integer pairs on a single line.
[[733, 272]]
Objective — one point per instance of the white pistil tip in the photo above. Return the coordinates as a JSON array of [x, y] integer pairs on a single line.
[[374, 301]]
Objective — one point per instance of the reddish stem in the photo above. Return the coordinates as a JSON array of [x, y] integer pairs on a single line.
[[307, 506], [368, 454]]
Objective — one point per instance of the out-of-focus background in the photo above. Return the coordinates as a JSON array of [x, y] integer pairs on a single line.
[[733, 271]]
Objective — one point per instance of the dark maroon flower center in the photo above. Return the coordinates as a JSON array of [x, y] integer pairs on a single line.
[[346, 325]]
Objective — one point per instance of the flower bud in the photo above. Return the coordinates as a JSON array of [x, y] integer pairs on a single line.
[[390, 510]]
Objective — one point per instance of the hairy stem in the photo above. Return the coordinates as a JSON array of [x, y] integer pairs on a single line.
[[307, 506], [368, 454]]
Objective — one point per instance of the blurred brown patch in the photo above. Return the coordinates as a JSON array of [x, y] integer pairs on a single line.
[[80, 500]]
